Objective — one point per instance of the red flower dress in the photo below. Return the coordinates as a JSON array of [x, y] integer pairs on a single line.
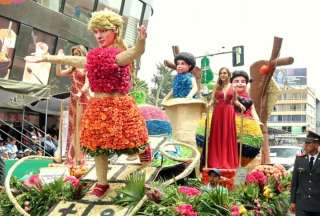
[[222, 148], [111, 124], [77, 82]]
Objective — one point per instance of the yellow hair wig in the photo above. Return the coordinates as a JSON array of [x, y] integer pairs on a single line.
[[107, 19]]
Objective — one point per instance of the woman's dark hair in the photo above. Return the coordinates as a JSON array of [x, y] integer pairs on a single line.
[[219, 82], [242, 74]]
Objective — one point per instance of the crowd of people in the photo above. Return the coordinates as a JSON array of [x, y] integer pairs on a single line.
[[32, 142]]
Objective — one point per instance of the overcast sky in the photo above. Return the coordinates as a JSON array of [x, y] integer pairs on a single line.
[[205, 26]]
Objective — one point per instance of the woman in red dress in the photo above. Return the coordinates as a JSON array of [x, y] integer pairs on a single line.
[[222, 148], [77, 77]]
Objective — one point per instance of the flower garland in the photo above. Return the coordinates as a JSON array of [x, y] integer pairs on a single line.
[[182, 85], [112, 124], [104, 74], [159, 127]]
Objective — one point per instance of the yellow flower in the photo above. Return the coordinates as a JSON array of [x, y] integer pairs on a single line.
[[243, 211], [267, 192]]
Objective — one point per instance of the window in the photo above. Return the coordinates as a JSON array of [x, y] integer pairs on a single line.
[[131, 16], [79, 9], [147, 15], [113, 5], [8, 36], [53, 5], [286, 128], [32, 41]]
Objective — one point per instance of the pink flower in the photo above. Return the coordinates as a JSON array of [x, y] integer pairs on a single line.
[[256, 177], [73, 181], [186, 210], [189, 191], [235, 210], [33, 181]]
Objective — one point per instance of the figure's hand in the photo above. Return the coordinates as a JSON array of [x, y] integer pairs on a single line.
[[142, 32], [293, 207], [241, 106]]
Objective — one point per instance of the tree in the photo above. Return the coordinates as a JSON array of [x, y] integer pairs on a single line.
[[140, 90], [162, 83]]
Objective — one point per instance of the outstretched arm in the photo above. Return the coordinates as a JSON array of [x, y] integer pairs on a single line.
[[126, 57], [75, 61]]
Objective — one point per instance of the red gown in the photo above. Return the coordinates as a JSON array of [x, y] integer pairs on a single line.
[[77, 82], [223, 148]]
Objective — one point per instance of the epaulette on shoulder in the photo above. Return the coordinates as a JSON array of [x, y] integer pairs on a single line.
[[301, 154]]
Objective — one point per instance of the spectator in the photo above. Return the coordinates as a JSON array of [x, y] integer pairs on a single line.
[[12, 147], [3, 148], [2, 172], [27, 152], [2, 164], [20, 154], [49, 146]]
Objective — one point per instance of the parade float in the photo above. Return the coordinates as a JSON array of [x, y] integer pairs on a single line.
[[136, 187]]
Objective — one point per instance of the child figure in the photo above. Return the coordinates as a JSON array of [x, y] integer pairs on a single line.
[[184, 83], [248, 123]]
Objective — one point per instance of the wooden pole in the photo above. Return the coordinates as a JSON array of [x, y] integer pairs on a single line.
[[77, 150], [240, 140]]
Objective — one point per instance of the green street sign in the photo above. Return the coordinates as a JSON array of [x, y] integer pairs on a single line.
[[207, 74]]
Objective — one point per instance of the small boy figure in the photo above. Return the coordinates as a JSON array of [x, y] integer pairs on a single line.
[[184, 83]]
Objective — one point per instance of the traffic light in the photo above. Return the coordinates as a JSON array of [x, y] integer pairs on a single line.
[[237, 56]]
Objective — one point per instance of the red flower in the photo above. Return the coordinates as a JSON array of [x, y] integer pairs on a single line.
[[189, 191], [72, 180], [104, 74], [186, 210]]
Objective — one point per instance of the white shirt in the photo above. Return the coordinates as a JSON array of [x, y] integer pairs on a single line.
[[314, 156]]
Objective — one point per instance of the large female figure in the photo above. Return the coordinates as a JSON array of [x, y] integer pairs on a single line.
[[222, 148], [78, 100], [111, 122]]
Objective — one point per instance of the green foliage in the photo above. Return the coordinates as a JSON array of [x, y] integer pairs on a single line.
[[212, 201], [140, 91], [40, 200], [246, 193], [162, 84], [133, 192]]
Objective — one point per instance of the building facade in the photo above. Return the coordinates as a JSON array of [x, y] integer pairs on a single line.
[[44, 27], [295, 110]]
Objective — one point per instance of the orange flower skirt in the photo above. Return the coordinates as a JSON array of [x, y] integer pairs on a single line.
[[112, 125]]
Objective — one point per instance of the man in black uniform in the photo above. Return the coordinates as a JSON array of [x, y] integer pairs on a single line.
[[305, 188]]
